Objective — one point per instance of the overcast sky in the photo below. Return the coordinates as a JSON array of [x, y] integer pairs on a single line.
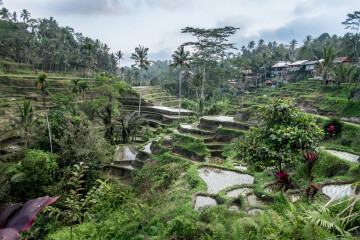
[[157, 24]]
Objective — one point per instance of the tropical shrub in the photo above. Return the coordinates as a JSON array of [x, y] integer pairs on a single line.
[[220, 107], [37, 170], [78, 203], [332, 127], [282, 135], [188, 104]]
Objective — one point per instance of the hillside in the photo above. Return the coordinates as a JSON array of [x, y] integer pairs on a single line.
[[189, 180]]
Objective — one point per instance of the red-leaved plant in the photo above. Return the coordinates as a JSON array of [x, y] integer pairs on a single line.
[[331, 131], [16, 218], [311, 191], [284, 180], [310, 160]]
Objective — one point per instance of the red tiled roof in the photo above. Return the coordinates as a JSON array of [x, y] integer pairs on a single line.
[[342, 59]]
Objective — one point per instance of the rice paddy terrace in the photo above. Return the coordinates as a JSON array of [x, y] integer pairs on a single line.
[[205, 143], [225, 179], [15, 88], [159, 108]]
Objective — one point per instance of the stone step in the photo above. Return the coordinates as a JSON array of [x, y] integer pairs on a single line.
[[156, 124], [188, 128], [216, 153], [213, 140], [215, 146], [122, 163], [213, 122], [155, 95], [174, 103], [160, 110], [163, 99], [181, 156], [188, 154]]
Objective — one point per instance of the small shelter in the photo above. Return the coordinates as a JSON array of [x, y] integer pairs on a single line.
[[343, 60], [269, 83]]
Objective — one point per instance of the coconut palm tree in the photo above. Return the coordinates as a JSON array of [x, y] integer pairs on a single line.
[[42, 84], [140, 58], [14, 17], [131, 124], [119, 56], [76, 86], [344, 72], [243, 48], [5, 14], [261, 42], [307, 40], [25, 15], [180, 59], [292, 48], [251, 45], [326, 67], [83, 85], [26, 119]]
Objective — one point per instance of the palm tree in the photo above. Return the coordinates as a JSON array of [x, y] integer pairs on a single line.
[[261, 43], [140, 57], [83, 85], [293, 43], [106, 48], [307, 40], [89, 46], [326, 67], [180, 59], [130, 125], [42, 84], [26, 119], [243, 48], [344, 72], [76, 86], [25, 15], [119, 56], [292, 48], [251, 45], [14, 17], [5, 14]]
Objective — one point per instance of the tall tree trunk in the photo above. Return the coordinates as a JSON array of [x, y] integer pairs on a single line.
[[140, 91], [197, 99], [47, 121], [180, 91], [119, 69], [91, 84], [203, 83]]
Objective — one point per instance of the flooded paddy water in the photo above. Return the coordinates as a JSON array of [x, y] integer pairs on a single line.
[[218, 179], [126, 152], [332, 190]]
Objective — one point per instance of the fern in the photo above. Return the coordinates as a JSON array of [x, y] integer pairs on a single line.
[[237, 231], [321, 217]]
